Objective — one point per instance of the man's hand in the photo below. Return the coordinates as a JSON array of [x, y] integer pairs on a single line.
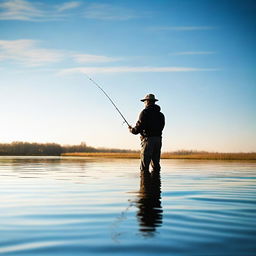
[[130, 128]]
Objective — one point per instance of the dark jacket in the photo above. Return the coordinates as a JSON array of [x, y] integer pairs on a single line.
[[151, 122]]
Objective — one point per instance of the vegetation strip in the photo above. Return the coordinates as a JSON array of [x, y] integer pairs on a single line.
[[82, 150], [176, 155]]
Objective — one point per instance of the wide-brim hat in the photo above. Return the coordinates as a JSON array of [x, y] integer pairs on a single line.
[[150, 97]]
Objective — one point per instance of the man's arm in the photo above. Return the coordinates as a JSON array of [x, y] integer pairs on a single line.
[[140, 125]]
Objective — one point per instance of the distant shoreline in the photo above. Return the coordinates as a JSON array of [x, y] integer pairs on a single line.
[[20, 148], [195, 156]]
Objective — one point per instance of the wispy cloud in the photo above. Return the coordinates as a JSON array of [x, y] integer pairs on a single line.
[[20, 10], [34, 11], [39, 11], [68, 6], [108, 12], [192, 53], [89, 58], [183, 28], [27, 52], [94, 70]]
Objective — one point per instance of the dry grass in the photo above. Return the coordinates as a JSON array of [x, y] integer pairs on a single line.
[[211, 156], [104, 154], [175, 155]]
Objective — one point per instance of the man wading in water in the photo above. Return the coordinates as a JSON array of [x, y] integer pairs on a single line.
[[150, 126]]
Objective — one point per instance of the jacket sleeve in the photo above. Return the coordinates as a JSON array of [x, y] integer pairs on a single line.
[[140, 125]]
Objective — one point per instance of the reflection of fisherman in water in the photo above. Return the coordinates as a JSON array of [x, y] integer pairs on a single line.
[[149, 202]]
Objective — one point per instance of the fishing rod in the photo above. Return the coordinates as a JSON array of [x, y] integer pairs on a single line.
[[99, 87]]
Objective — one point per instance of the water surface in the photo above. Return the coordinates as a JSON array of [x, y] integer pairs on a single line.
[[85, 206]]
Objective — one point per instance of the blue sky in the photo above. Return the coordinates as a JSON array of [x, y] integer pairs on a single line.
[[196, 56]]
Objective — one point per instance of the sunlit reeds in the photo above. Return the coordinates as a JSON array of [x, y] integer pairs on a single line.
[[104, 154], [173, 155], [210, 156]]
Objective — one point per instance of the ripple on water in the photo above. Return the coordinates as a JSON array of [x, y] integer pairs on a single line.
[[56, 206]]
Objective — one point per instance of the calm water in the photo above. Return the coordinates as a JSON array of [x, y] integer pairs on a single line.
[[74, 206]]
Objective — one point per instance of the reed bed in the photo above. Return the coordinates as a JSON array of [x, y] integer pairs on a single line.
[[211, 156], [175, 155], [104, 154]]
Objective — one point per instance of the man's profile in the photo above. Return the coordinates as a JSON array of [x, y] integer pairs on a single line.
[[150, 126]]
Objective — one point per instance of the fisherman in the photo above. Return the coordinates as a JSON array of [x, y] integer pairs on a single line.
[[150, 126]]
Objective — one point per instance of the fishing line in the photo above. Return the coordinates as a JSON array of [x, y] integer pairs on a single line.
[[99, 87]]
